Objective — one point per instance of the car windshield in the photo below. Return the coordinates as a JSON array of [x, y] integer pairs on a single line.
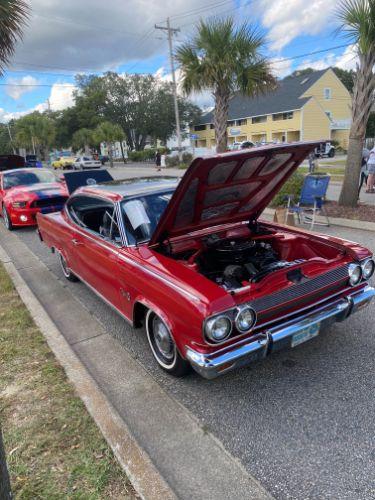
[[141, 215], [27, 177]]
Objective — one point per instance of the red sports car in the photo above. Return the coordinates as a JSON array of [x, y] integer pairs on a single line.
[[26, 191], [215, 286]]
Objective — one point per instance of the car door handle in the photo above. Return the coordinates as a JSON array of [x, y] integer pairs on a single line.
[[77, 243]]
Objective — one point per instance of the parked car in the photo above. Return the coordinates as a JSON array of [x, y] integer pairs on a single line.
[[236, 146], [33, 162], [63, 162], [215, 286], [8, 162], [104, 159], [83, 162], [26, 191], [325, 149]]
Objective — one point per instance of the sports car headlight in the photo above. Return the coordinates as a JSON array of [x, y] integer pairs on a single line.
[[245, 319], [368, 268], [355, 274], [219, 328], [19, 204]]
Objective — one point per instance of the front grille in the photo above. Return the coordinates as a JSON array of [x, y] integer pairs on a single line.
[[54, 201], [297, 293]]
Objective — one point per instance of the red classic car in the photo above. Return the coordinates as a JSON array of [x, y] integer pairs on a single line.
[[26, 191], [216, 287]]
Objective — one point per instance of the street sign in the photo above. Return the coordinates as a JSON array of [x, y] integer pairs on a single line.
[[194, 136], [234, 131]]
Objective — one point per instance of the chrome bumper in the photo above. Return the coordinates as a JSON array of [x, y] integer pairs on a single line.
[[275, 338]]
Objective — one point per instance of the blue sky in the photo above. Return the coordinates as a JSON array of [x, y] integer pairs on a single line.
[[89, 36]]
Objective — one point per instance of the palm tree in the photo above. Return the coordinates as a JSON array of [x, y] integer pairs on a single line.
[[109, 133], [224, 59], [83, 139], [13, 15], [37, 132], [357, 19]]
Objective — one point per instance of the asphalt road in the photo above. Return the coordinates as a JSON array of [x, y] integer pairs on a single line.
[[301, 422]]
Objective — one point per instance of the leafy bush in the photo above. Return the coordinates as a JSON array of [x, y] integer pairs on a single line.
[[144, 155], [187, 157], [293, 187], [172, 161]]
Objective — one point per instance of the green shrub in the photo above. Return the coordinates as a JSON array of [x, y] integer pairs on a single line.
[[144, 155], [187, 157], [293, 187], [172, 161]]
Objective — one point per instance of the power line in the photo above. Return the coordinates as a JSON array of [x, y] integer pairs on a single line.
[[311, 53]]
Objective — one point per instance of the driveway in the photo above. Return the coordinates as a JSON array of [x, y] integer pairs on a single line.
[[301, 422]]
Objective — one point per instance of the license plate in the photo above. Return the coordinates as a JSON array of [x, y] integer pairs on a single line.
[[305, 334]]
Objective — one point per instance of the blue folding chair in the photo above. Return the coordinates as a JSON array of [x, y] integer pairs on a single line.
[[311, 201]]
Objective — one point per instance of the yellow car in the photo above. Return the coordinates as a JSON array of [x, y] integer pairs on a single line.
[[63, 162]]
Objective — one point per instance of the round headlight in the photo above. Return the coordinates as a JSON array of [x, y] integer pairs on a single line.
[[245, 319], [368, 269], [219, 328], [355, 274]]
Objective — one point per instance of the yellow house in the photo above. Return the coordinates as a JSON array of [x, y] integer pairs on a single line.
[[305, 107]]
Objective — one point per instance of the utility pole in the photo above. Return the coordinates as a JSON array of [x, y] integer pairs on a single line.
[[171, 32], [11, 138]]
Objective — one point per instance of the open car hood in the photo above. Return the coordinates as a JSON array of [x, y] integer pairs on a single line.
[[229, 187]]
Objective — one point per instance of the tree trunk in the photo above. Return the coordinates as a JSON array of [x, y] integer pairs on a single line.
[[221, 118], [362, 102], [122, 152], [87, 149], [5, 492], [110, 154]]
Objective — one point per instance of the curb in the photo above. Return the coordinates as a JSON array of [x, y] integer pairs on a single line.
[[144, 477], [188, 466], [336, 221]]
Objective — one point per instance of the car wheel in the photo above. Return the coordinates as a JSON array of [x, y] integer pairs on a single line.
[[66, 270], [6, 217], [331, 153], [163, 346]]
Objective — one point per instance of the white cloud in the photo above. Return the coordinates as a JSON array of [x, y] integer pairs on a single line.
[[347, 60], [287, 19], [17, 87], [96, 35], [61, 97], [202, 99], [281, 68]]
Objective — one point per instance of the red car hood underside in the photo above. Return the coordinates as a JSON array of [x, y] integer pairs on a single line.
[[230, 187]]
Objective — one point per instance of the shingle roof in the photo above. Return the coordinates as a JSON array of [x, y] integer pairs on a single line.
[[286, 97]]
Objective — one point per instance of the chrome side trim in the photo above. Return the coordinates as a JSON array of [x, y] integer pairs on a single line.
[[280, 337], [130, 322]]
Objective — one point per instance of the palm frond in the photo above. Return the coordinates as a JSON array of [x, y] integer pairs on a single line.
[[357, 22], [13, 17]]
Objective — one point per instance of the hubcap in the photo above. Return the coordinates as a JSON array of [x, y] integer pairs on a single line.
[[64, 266], [163, 340]]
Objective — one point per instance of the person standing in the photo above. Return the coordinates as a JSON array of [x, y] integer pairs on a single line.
[[371, 172], [162, 161], [312, 161], [158, 161]]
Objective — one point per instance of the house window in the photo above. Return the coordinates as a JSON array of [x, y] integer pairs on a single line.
[[259, 119], [212, 126], [230, 123], [282, 116], [327, 93], [241, 122], [197, 128]]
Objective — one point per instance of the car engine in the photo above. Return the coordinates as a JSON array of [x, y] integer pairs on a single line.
[[235, 263]]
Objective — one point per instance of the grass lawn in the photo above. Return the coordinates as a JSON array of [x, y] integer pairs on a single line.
[[54, 449]]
